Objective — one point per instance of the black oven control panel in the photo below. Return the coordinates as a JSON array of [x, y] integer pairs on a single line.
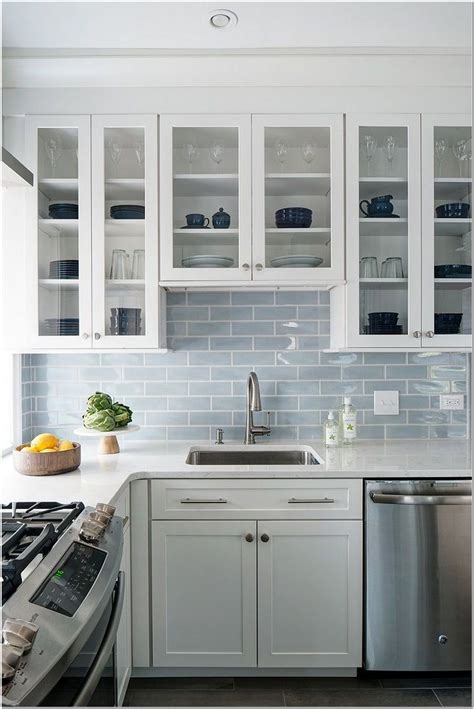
[[67, 586]]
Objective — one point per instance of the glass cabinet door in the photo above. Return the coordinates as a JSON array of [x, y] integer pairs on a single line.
[[125, 231], [205, 186], [298, 205], [383, 231], [59, 260], [447, 224]]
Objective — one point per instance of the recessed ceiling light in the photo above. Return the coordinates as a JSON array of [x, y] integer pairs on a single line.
[[223, 19]]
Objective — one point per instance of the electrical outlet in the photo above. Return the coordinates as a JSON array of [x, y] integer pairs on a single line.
[[386, 403], [451, 402]]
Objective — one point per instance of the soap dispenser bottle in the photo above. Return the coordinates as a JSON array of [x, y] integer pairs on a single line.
[[348, 422], [331, 431]]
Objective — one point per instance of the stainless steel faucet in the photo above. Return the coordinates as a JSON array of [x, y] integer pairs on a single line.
[[253, 404]]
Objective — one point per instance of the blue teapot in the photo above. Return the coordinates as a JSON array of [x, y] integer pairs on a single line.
[[378, 206], [221, 220]]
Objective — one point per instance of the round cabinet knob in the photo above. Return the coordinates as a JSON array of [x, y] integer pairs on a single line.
[[258, 267], [85, 335], [96, 335], [442, 639], [265, 538], [429, 333], [249, 537], [245, 267], [417, 334]]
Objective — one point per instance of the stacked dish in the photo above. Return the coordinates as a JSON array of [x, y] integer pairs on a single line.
[[383, 323], [63, 210], [293, 217], [447, 323], [207, 262], [60, 326], [64, 268], [127, 211], [299, 261], [453, 270], [453, 210], [126, 321]]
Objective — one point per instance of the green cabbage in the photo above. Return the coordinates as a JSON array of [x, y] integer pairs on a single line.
[[98, 401], [122, 414], [103, 420]]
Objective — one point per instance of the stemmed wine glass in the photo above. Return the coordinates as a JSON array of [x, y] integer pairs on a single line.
[[281, 151], [54, 152], [139, 149], [191, 152], [308, 151], [440, 147], [115, 150], [389, 150], [460, 151], [370, 146], [216, 151]]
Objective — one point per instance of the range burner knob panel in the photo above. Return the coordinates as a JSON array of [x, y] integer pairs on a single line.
[[20, 633], [10, 658], [90, 531], [104, 509]]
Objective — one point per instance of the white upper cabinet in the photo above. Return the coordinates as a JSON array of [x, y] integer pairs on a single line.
[[58, 232], [298, 188], [447, 224], [125, 231], [383, 217], [205, 211]]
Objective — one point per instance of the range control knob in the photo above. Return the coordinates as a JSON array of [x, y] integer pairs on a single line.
[[10, 658], [99, 518], [90, 531], [20, 633], [104, 509]]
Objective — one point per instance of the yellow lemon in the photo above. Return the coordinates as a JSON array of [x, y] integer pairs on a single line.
[[48, 450], [29, 449], [65, 445], [45, 440]]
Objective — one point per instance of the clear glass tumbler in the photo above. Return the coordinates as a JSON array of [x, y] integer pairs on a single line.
[[119, 267], [138, 264], [369, 267], [392, 267]]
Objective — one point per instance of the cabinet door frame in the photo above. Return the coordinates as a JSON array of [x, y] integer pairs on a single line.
[[302, 276], [352, 529], [159, 532], [353, 337], [83, 125], [169, 275], [123, 644], [152, 312], [429, 122]]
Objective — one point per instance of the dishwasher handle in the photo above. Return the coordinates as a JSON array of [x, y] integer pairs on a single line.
[[388, 499]]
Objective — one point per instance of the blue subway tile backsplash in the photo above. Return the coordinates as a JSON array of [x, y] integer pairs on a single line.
[[215, 338]]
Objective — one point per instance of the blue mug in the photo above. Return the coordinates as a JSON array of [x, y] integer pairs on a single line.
[[197, 220]]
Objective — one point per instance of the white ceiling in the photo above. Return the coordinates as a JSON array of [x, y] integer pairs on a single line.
[[171, 26]]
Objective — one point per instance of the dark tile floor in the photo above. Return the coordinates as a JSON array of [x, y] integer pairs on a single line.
[[367, 690]]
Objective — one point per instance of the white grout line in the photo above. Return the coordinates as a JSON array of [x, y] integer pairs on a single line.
[[439, 700]]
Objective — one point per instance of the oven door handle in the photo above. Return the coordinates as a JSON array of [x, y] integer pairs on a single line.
[[388, 499], [94, 673]]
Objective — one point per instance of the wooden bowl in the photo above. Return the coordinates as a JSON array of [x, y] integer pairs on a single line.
[[55, 463]]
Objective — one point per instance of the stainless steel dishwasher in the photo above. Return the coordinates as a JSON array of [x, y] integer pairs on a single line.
[[418, 575]]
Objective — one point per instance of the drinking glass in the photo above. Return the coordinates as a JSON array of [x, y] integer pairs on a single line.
[[115, 150], [389, 150], [369, 267], [308, 151], [216, 152], [54, 152], [139, 149], [460, 151], [370, 146], [281, 151], [119, 267], [138, 264], [440, 147], [191, 152], [392, 268]]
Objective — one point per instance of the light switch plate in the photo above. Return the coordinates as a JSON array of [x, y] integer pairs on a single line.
[[451, 402], [386, 403]]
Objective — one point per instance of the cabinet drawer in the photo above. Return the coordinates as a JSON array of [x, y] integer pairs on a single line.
[[256, 499]]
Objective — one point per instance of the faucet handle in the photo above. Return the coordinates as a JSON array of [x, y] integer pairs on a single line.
[[219, 437], [269, 419]]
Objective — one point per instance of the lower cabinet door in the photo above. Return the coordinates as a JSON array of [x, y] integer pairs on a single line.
[[204, 593], [123, 643], [310, 594]]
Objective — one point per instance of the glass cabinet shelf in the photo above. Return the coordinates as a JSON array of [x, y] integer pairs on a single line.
[[452, 227], [55, 283], [369, 226], [206, 185], [59, 187], [59, 227]]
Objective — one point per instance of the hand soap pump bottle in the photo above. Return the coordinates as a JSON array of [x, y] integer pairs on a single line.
[[331, 431], [348, 422]]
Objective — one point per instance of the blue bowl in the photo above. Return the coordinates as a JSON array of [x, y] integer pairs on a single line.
[[294, 217], [455, 270], [453, 210]]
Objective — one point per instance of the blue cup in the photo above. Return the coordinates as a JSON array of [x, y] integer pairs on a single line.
[[197, 220]]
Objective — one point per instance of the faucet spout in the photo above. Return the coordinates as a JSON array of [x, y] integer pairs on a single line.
[[253, 403]]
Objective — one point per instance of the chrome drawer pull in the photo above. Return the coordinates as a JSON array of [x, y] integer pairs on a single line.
[[296, 501], [387, 499], [189, 501]]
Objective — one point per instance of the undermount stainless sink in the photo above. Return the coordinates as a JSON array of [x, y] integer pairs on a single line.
[[249, 456]]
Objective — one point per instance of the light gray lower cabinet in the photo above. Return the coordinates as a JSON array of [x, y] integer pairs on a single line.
[[123, 643], [209, 578]]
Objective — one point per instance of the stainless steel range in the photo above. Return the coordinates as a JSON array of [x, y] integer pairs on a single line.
[[60, 581]]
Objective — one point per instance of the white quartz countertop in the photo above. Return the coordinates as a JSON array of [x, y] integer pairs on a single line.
[[101, 478]]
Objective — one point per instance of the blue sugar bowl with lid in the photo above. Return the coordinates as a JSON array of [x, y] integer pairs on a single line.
[[221, 220]]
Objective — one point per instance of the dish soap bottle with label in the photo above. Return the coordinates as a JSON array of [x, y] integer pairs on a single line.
[[331, 431], [348, 422]]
